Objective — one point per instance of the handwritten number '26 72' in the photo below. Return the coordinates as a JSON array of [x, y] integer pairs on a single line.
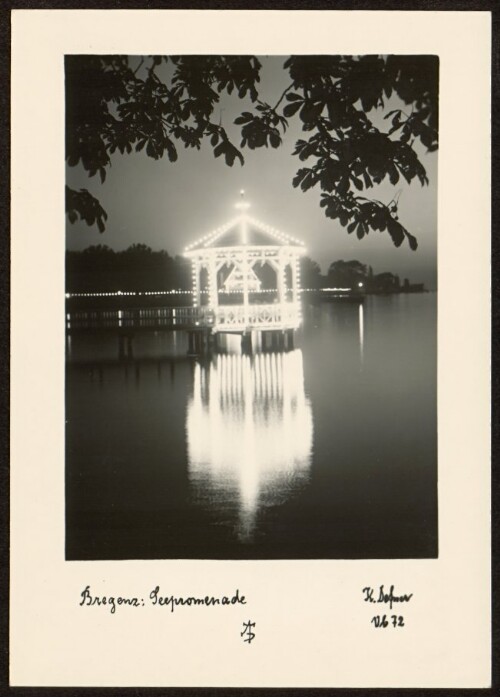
[[382, 621]]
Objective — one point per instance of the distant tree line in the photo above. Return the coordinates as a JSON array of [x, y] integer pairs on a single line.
[[350, 274], [100, 269]]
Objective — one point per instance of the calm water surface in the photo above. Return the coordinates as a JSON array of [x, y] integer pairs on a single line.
[[327, 451]]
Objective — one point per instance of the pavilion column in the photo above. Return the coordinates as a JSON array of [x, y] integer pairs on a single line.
[[281, 280], [245, 287], [294, 263], [196, 282], [212, 280]]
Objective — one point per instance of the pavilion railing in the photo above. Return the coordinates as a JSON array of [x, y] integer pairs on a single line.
[[269, 316]]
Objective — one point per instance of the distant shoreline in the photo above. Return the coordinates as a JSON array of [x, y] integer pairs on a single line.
[[179, 298]]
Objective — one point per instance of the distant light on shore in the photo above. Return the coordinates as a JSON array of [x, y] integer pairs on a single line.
[[121, 292], [190, 292]]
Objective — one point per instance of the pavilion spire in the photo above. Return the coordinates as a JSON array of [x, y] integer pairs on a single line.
[[243, 206]]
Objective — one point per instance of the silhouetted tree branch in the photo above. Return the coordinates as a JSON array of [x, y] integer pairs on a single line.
[[169, 101]]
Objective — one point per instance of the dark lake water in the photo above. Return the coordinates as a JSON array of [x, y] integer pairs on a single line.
[[326, 451]]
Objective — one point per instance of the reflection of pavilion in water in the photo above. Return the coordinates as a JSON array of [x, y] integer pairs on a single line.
[[249, 433]]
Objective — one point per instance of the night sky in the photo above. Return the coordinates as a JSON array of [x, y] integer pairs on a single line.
[[168, 205]]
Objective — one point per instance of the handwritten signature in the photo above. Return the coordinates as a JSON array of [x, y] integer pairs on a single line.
[[384, 596]]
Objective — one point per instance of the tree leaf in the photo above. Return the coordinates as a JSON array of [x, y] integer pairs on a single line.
[[274, 139], [244, 118], [219, 149], [412, 241], [291, 109], [396, 231], [171, 150]]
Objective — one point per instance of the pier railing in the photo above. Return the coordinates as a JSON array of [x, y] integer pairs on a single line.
[[222, 318], [149, 318]]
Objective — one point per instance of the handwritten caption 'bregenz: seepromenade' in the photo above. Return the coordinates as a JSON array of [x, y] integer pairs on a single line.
[[155, 598]]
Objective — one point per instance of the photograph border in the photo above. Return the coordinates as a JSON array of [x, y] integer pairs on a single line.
[[4, 254]]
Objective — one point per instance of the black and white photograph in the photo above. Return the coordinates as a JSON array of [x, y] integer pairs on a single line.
[[251, 306], [250, 349]]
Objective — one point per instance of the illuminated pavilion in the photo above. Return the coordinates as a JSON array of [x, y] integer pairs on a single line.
[[246, 280]]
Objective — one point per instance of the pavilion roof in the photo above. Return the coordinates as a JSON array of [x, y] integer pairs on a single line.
[[257, 234]]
